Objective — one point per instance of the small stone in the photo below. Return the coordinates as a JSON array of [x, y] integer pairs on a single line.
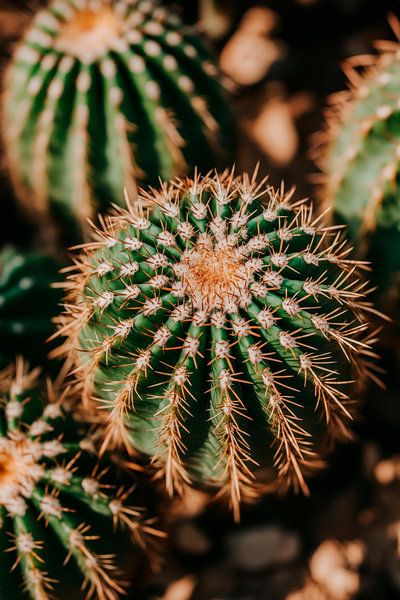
[[247, 58], [191, 540], [387, 471], [261, 548], [333, 566], [311, 591], [181, 589], [191, 504]]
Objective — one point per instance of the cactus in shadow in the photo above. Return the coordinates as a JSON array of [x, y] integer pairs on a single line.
[[27, 304], [220, 335], [361, 156], [100, 94], [62, 512]]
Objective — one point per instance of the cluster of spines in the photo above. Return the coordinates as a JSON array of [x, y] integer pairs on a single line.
[[48, 469], [146, 55], [141, 280]]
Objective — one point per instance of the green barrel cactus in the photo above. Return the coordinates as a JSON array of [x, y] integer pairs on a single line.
[[361, 164], [220, 334], [28, 304], [103, 93], [61, 511]]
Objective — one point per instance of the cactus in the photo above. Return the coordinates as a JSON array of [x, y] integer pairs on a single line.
[[221, 336], [100, 94], [361, 162], [58, 510], [27, 304]]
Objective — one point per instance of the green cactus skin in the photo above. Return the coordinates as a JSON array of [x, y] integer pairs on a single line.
[[101, 94], [27, 304], [58, 513], [362, 163], [220, 335]]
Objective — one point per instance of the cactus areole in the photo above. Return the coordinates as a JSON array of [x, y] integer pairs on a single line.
[[60, 517], [101, 94], [220, 333]]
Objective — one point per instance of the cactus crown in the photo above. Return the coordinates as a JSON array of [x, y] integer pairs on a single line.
[[92, 95], [360, 156], [214, 330], [56, 503], [90, 32]]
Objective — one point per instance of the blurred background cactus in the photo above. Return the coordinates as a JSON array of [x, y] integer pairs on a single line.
[[102, 94], [362, 161], [27, 304], [60, 516], [220, 334]]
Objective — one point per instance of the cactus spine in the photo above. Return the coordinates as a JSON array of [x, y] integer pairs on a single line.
[[220, 335], [27, 304], [101, 94], [59, 515], [362, 161]]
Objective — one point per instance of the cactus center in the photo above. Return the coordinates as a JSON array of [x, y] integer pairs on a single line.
[[17, 468], [89, 33], [7, 467], [212, 276]]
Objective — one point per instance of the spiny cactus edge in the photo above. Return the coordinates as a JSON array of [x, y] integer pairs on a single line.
[[359, 155]]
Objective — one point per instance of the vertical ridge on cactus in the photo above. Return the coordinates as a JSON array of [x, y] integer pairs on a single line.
[[27, 304], [360, 158], [61, 512], [220, 335], [102, 94]]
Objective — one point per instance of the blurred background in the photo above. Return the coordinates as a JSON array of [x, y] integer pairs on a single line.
[[282, 61]]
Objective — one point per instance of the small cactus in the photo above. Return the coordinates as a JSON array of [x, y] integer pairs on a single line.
[[100, 94], [221, 335], [27, 304], [59, 515], [361, 161]]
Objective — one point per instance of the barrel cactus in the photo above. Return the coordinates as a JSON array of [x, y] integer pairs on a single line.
[[220, 334], [362, 164], [27, 304], [103, 93], [59, 514]]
